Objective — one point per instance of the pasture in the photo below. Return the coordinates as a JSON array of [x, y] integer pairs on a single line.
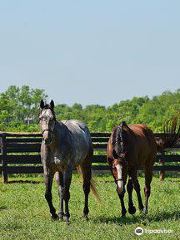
[[24, 212]]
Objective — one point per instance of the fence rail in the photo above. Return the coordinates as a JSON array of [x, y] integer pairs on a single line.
[[20, 153]]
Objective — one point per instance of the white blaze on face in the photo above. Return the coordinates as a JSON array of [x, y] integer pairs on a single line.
[[119, 182]]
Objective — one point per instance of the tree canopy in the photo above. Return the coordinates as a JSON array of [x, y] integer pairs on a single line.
[[19, 111]]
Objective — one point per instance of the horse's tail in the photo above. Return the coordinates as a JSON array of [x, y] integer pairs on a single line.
[[119, 140], [94, 190], [171, 134], [92, 185]]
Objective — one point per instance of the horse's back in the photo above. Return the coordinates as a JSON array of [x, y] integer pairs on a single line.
[[76, 127], [80, 139], [144, 141], [143, 132]]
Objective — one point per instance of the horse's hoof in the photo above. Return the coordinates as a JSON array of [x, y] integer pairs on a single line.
[[141, 208], [54, 217], [132, 210], [60, 216], [124, 213], [145, 211], [86, 217], [67, 220]]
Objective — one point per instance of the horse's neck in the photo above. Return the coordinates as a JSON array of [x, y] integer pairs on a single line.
[[60, 146], [60, 131], [62, 136]]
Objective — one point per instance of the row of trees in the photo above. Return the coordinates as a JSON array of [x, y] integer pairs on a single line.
[[20, 106]]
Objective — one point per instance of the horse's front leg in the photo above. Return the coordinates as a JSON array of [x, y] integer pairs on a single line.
[[131, 209], [60, 182], [66, 193], [120, 181], [121, 197], [48, 178]]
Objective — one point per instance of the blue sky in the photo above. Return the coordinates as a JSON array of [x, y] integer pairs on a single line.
[[90, 52]]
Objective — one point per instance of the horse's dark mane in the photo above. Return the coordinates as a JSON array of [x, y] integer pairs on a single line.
[[118, 140]]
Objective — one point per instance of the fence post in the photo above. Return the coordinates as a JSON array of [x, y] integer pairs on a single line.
[[162, 172], [4, 163]]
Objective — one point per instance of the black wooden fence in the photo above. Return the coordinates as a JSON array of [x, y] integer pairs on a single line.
[[20, 153]]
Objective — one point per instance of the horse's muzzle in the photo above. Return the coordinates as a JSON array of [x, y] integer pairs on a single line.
[[120, 186], [47, 141], [47, 137]]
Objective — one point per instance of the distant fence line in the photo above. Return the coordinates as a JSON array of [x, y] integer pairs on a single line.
[[20, 153]]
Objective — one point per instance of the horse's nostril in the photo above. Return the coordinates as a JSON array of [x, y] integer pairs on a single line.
[[119, 190], [47, 141]]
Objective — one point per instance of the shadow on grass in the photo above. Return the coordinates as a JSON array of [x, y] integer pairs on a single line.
[[2, 208], [175, 181], [24, 181], [142, 219]]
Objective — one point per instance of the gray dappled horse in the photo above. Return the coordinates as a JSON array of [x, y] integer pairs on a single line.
[[65, 145]]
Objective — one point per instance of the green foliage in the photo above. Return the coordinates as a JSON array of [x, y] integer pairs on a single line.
[[17, 105]]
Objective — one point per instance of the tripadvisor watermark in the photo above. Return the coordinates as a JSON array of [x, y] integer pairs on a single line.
[[140, 231]]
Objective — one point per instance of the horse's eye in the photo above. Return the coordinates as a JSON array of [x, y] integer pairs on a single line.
[[42, 119]]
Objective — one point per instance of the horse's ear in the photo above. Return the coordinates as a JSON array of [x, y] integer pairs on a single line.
[[52, 104], [42, 104]]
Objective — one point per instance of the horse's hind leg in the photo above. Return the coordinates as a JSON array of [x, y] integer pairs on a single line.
[[131, 209], [137, 188], [60, 182], [147, 188], [86, 173], [66, 193], [48, 178]]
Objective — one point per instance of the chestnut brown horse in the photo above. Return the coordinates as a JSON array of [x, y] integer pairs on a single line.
[[66, 145], [133, 147]]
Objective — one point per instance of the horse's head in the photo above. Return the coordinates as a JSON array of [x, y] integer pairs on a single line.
[[119, 168], [119, 164], [47, 121]]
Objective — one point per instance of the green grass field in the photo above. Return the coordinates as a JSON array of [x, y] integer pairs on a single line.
[[24, 212]]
